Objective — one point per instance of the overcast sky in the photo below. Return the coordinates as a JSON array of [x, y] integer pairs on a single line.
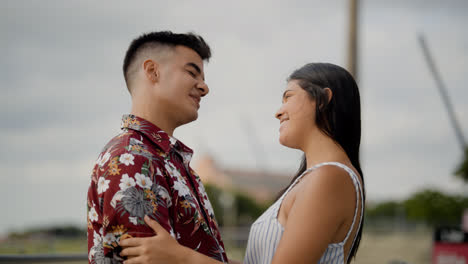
[[63, 93]]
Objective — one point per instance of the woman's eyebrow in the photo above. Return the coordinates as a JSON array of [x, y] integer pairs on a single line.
[[284, 94]]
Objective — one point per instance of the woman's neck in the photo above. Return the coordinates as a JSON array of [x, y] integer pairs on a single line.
[[321, 148]]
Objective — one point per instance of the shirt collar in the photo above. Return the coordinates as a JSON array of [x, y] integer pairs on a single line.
[[157, 135]]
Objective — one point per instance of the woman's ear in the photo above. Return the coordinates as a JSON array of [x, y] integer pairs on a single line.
[[326, 100], [329, 94]]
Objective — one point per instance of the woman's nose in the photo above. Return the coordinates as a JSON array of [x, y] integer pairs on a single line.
[[279, 113]]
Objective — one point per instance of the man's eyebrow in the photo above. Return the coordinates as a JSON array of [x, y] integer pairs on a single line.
[[195, 66]]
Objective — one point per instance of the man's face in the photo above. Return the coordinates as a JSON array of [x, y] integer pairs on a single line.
[[181, 85]]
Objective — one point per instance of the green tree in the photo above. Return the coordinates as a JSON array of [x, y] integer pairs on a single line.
[[462, 170], [384, 210], [214, 194], [435, 208], [246, 208]]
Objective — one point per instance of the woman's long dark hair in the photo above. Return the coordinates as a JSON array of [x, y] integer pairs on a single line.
[[340, 119]]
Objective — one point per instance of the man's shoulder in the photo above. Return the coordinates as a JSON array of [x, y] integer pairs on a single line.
[[119, 142], [129, 153], [130, 142]]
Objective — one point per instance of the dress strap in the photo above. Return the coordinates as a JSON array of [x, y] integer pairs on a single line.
[[297, 180], [359, 198], [357, 186], [278, 203]]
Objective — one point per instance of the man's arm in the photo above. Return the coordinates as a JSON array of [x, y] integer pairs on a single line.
[[125, 188]]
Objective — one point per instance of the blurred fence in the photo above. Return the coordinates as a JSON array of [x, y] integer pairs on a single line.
[[389, 242], [44, 258]]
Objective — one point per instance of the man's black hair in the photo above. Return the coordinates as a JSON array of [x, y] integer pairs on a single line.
[[168, 38]]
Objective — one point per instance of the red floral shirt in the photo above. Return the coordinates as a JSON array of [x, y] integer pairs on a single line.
[[144, 171]]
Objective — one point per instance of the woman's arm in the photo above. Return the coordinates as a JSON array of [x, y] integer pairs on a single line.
[[161, 248], [316, 215]]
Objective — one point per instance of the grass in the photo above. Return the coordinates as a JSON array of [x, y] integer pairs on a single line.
[[376, 247], [413, 247], [44, 246]]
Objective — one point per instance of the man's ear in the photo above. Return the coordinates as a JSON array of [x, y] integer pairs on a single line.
[[151, 70]]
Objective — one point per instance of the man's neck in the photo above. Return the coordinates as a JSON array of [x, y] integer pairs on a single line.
[[157, 118]]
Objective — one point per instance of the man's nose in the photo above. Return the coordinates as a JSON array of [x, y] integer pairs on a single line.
[[203, 87]]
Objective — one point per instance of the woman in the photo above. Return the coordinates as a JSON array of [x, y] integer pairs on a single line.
[[318, 217]]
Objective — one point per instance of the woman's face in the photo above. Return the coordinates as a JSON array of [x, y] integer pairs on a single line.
[[296, 116]]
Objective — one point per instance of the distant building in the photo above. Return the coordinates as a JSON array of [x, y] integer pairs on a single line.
[[261, 185]]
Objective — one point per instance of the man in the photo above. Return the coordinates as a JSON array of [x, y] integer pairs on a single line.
[[146, 171]]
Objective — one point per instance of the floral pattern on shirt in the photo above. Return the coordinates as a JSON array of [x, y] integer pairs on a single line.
[[144, 171]]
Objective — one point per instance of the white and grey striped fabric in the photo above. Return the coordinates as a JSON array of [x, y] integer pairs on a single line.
[[266, 231]]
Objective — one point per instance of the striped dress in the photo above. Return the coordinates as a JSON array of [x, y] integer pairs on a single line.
[[266, 232]]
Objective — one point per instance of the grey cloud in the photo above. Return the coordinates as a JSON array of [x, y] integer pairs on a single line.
[[63, 91]]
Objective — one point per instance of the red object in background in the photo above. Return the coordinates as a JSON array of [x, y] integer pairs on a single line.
[[449, 253], [450, 246]]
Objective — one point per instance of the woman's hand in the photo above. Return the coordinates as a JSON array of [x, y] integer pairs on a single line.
[[161, 248]]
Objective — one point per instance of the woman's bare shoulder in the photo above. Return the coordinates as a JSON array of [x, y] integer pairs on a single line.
[[329, 184]]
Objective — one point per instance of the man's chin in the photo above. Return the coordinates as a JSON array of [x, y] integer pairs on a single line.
[[191, 118]]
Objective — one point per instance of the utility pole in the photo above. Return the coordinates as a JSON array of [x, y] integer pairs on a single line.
[[255, 144], [353, 38], [443, 92]]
